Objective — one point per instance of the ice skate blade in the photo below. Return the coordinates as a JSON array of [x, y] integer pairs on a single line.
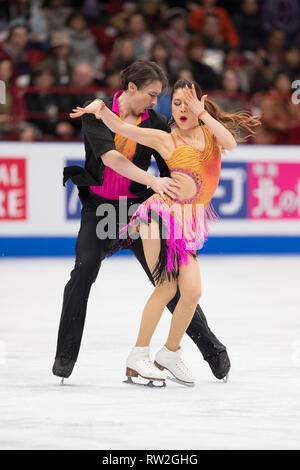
[[62, 381], [186, 384], [226, 378], [150, 384]]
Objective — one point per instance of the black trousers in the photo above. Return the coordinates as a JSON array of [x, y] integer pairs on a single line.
[[90, 252]]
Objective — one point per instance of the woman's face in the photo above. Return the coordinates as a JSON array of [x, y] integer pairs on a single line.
[[183, 117]]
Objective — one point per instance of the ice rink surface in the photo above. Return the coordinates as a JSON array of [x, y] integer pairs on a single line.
[[252, 305]]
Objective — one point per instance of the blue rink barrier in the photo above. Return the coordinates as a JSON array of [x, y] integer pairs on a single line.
[[241, 245]]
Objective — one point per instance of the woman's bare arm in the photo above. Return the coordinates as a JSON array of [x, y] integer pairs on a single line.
[[152, 138], [125, 167]]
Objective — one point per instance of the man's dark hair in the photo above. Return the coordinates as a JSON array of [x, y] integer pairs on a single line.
[[142, 73]]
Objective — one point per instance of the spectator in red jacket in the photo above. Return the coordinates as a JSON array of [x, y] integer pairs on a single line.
[[227, 27]]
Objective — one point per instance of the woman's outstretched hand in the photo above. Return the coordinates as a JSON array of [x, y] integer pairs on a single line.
[[164, 186], [191, 99], [92, 108]]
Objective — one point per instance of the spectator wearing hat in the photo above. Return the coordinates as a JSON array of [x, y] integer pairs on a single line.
[[59, 59]]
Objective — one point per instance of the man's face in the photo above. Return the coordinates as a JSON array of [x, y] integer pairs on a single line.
[[144, 98]]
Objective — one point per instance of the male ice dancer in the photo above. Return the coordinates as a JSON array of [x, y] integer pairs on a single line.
[[111, 164]]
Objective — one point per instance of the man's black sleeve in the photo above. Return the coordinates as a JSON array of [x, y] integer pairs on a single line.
[[98, 135], [161, 164]]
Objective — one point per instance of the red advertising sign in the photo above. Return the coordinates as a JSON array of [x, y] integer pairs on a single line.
[[274, 190], [12, 188]]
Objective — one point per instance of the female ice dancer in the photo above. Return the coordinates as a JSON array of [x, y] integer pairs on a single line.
[[173, 231]]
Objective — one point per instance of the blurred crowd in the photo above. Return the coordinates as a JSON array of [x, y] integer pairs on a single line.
[[56, 54]]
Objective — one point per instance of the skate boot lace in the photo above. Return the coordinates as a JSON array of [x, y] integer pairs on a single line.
[[150, 364], [183, 368]]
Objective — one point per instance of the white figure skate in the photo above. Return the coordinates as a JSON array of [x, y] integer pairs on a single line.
[[139, 364], [170, 360]]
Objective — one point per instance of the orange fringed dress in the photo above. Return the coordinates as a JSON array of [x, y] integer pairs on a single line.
[[182, 223]]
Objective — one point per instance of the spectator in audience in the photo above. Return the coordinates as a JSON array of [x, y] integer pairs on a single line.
[[275, 47], [112, 79], [83, 81], [56, 14], [291, 63], [154, 12], [29, 13], [248, 24], [212, 35], [123, 52], [83, 44], [59, 59], [283, 14], [161, 53], [233, 100], [239, 62], [11, 104], [44, 101], [28, 132], [279, 115], [227, 29], [185, 73], [258, 50], [176, 32], [266, 62], [16, 48], [142, 39], [204, 74]]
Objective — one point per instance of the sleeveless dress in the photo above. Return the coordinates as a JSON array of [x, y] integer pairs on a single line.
[[182, 224]]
